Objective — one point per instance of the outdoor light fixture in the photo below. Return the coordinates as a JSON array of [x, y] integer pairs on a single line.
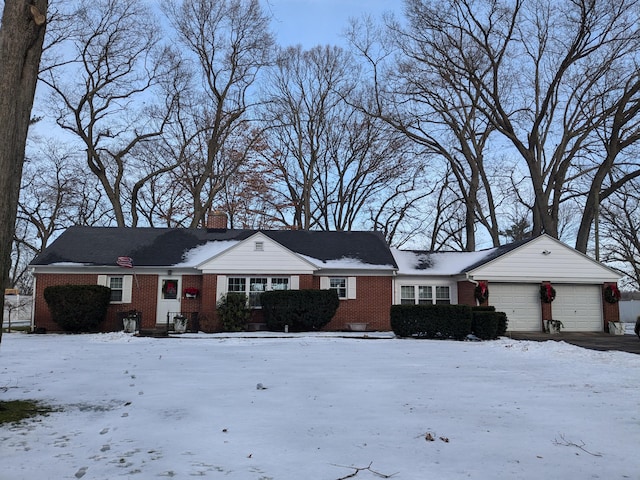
[[546, 252]]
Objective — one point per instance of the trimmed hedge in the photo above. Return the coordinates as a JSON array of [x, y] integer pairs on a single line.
[[78, 308], [487, 324], [300, 309], [431, 321]]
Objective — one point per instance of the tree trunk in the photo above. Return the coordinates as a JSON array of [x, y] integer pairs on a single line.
[[21, 39]]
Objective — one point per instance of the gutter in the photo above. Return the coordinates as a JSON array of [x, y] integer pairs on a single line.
[[469, 279]]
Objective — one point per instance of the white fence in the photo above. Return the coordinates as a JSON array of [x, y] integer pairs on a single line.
[[17, 310]]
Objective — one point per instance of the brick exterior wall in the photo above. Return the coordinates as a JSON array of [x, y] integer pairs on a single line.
[[372, 304], [466, 293], [610, 311], [142, 300]]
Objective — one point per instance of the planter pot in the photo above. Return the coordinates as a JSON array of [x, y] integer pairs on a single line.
[[553, 327], [130, 324], [357, 327], [179, 325], [616, 328]]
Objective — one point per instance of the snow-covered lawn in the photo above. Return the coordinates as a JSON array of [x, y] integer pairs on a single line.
[[142, 408]]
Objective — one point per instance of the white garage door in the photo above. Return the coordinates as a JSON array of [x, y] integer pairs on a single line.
[[521, 303], [578, 307]]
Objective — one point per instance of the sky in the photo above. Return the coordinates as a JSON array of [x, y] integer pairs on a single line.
[[317, 406], [320, 22]]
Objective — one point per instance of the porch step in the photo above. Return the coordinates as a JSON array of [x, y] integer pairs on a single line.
[[153, 332]]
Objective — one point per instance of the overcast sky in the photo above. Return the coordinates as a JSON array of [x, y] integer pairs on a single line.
[[313, 22]]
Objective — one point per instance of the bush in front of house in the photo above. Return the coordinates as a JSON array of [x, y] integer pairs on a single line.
[[78, 308], [233, 312], [487, 324], [431, 321], [484, 325], [301, 310]]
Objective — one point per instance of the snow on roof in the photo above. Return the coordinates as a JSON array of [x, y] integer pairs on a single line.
[[202, 253], [346, 263], [436, 263]]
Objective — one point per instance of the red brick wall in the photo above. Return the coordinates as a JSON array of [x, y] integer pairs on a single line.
[[372, 304], [610, 311], [143, 297]]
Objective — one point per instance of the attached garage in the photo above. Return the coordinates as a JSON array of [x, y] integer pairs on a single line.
[[521, 303], [515, 272]]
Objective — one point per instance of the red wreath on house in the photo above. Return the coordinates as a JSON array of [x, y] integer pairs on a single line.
[[481, 292], [547, 293], [612, 294]]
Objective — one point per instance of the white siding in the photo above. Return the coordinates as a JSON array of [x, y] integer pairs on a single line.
[[560, 263], [243, 258]]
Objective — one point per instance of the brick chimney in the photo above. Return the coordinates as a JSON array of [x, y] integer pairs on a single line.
[[216, 220]]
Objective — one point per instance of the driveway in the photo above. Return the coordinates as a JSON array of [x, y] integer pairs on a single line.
[[592, 340]]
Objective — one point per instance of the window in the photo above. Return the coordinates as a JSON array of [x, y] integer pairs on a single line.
[[169, 289], [407, 295], [339, 284], [255, 286], [442, 296], [425, 295], [116, 285], [120, 285]]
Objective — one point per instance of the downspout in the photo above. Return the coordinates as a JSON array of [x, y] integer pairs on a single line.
[[33, 299]]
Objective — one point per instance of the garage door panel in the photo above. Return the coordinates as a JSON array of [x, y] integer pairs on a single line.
[[521, 303], [578, 307]]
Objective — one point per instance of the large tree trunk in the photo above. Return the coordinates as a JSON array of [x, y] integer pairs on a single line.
[[21, 39]]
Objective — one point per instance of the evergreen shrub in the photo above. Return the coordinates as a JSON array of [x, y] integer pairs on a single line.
[[78, 308], [302, 310], [431, 321], [233, 312]]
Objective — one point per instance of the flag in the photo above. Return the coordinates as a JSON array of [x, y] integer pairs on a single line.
[[125, 262]]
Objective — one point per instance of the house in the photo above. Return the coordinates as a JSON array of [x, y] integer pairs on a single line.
[[161, 272]]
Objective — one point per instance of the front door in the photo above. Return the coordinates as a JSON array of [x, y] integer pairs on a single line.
[[168, 299]]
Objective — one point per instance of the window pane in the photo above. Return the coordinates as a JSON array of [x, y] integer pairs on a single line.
[[256, 287], [442, 296], [115, 284], [236, 284], [407, 294], [279, 284], [169, 289], [339, 284]]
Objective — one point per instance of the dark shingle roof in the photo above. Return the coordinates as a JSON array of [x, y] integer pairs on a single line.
[[166, 246]]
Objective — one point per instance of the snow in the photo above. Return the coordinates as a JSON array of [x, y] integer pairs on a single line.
[[205, 252], [440, 263], [346, 263], [329, 404]]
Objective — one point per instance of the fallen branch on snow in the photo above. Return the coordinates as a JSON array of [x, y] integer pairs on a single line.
[[360, 469], [566, 443]]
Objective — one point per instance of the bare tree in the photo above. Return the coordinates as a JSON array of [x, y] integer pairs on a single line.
[[103, 95], [620, 226], [420, 97], [21, 39], [229, 43], [336, 166]]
